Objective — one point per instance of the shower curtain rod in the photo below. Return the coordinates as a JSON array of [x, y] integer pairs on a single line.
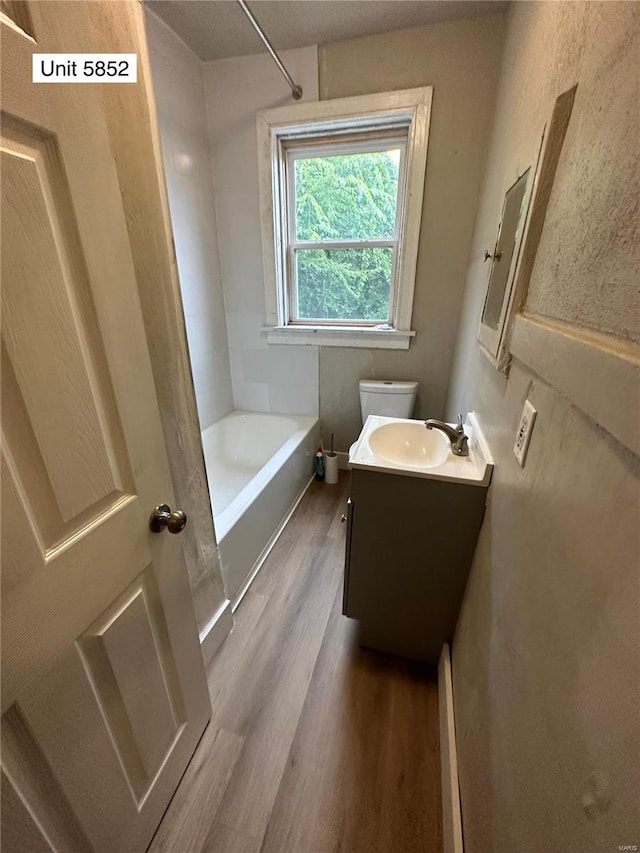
[[296, 90]]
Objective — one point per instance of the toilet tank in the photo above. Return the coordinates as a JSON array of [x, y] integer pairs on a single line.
[[388, 398]]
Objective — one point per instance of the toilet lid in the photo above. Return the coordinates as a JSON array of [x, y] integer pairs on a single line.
[[387, 386]]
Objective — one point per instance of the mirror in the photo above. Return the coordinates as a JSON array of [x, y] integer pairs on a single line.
[[510, 227], [524, 208], [504, 261]]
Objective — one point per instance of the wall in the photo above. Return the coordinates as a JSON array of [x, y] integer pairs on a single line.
[[265, 379], [461, 59], [545, 655], [179, 88]]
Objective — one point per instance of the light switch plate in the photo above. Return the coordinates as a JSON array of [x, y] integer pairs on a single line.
[[523, 435]]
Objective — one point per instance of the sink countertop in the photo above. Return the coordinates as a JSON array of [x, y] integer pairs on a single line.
[[474, 469]]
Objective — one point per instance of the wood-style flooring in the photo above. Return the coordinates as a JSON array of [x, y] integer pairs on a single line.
[[315, 745]]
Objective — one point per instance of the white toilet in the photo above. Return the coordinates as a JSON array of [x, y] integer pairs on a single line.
[[386, 398]]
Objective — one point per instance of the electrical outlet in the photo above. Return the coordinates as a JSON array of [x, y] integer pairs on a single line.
[[523, 435]]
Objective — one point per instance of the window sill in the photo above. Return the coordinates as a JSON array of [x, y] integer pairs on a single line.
[[339, 336]]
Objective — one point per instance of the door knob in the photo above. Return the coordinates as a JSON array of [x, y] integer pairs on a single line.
[[162, 517]]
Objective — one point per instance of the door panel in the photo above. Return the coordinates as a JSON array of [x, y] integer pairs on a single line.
[[50, 333], [27, 779], [104, 696], [139, 696], [22, 832]]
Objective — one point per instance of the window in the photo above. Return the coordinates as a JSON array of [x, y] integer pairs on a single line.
[[341, 194], [343, 223]]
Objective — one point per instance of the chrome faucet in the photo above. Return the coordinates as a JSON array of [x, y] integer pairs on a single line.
[[459, 441]]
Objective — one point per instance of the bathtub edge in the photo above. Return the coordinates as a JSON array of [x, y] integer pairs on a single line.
[[242, 591]]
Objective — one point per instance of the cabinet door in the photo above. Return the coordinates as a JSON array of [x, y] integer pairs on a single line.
[[410, 552], [347, 557]]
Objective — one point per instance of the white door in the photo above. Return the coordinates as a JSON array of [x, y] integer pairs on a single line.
[[104, 695]]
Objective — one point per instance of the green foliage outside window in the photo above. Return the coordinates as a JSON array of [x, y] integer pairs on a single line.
[[345, 197]]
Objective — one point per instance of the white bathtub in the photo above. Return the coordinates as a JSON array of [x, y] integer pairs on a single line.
[[257, 466]]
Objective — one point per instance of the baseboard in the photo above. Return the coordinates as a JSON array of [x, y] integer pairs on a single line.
[[216, 631], [451, 814], [267, 549]]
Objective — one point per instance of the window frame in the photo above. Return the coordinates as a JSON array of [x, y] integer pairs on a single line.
[[381, 121], [373, 143]]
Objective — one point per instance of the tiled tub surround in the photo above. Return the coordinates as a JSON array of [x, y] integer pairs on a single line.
[[278, 379], [182, 119], [258, 466], [267, 377]]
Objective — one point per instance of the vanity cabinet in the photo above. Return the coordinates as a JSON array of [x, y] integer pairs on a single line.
[[409, 547]]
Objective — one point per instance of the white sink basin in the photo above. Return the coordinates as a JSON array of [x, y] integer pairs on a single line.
[[410, 444], [408, 449]]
